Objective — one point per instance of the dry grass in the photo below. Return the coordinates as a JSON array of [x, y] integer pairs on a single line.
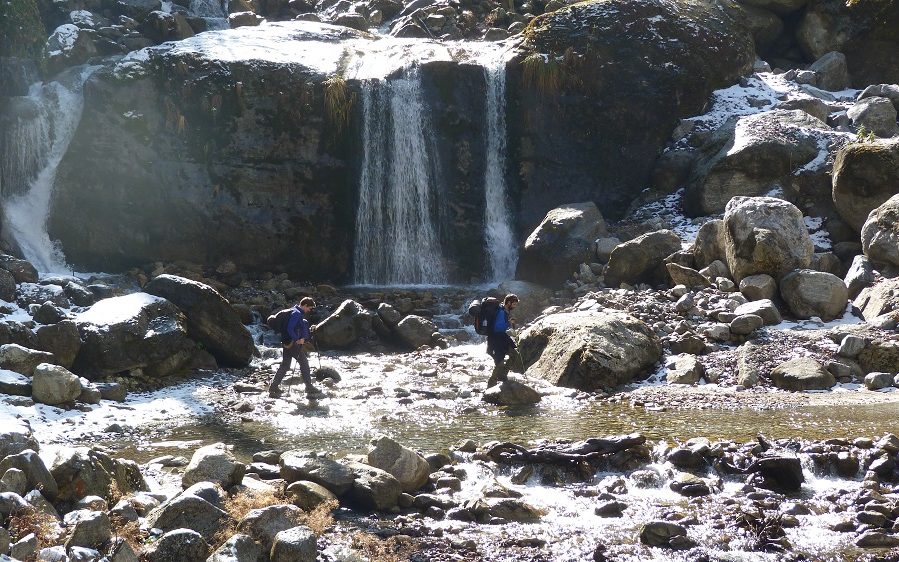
[[543, 72], [338, 101], [394, 549], [238, 506], [44, 526], [128, 531], [321, 517]]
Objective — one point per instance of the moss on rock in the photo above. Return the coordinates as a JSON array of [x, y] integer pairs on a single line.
[[22, 33]]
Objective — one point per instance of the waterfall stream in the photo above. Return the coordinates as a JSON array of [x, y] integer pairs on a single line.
[[502, 248], [215, 12], [42, 139], [396, 238]]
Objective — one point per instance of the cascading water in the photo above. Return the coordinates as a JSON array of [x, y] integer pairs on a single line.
[[215, 12], [396, 239], [502, 248], [43, 139]]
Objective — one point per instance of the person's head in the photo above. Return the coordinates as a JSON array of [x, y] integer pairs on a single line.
[[307, 304], [511, 301]]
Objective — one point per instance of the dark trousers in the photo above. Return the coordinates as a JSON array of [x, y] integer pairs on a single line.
[[498, 346], [290, 353]]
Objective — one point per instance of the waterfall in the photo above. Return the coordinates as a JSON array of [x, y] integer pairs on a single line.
[[215, 12], [502, 249], [42, 139], [396, 239]]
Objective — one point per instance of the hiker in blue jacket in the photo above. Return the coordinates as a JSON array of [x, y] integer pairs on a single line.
[[296, 333], [500, 344]]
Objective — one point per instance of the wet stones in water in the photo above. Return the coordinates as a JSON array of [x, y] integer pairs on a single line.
[[610, 509], [665, 534], [407, 466], [511, 393], [690, 486]]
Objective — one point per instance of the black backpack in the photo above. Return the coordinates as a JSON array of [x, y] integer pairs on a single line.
[[278, 322], [484, 314]]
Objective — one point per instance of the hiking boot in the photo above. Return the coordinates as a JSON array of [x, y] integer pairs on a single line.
[[312, 392], [274, 393], [499, 374]]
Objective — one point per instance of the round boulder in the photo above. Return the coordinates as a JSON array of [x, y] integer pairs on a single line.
[[758, 287], [803, 373], [814, 293], [874, 114], [345, 326], [880, 233], [562, 241], [590, 350], [54, 385], [642, 259], [213, 463], [407, 466], [864, 177], [765, 235], [415, 331]]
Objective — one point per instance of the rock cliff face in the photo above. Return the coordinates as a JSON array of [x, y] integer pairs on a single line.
[[186, 157], [198, 151], [202, 156], [602, 85]]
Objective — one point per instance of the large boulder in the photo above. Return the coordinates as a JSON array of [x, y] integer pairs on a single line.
[[761, 149], [15, 437], [831, 71], [610, 51], [37, 475], [709, 244], [62, 340], [239, 548], [880, 233], [415, 331], [345, 326], [876, 115], [136, 331], [814, 293], [642, 259], [589, 350], [803, 373], [889, 91], [562, 241], [861, 275], [21, 359], [301, 465], [211, 320], [407, 466], [373, 489], [265, 523], [54, 385], [765, 235], [865, 175], [81, 472], [297, 544], [180, 545], [187, 511], [213, 463], [860, 30], [878, 299]]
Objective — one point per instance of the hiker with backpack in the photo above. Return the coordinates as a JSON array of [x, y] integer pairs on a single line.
[[295, 332], [499, 342]]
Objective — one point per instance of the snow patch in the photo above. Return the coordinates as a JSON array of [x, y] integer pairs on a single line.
[[116, 310]]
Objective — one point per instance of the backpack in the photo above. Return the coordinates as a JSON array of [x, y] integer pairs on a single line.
[[484, 314], [278, 321]]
